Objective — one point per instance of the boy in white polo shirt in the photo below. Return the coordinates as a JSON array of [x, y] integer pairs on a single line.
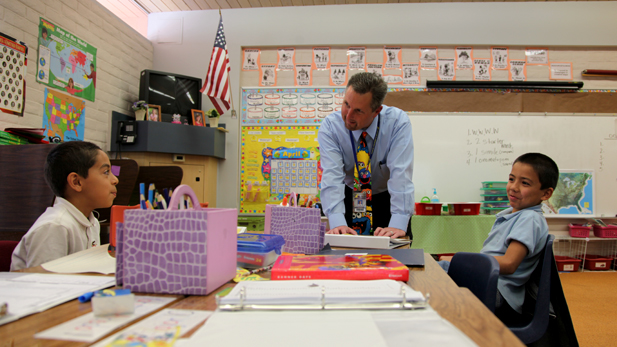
[[79, 174]]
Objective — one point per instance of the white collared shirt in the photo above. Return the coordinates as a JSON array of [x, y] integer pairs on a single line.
[[61, 230]]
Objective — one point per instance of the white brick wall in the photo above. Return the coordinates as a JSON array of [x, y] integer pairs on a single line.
[[122, 54]]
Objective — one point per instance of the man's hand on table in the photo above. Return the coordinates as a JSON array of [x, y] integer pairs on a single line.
[[392, 233], [343, 229]]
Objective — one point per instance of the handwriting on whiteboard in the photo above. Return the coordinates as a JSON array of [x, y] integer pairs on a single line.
[[484, 146]]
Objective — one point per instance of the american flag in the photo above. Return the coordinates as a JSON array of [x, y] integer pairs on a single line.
[[216, 86]]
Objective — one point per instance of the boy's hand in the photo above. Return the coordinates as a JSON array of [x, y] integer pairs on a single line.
[[446, 257]]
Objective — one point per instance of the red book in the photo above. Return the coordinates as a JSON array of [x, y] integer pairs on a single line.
[[339, 267]]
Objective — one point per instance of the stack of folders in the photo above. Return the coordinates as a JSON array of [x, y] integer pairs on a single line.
[[321, 295]]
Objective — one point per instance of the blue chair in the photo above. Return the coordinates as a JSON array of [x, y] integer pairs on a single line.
[[534, 329], [479, 273]]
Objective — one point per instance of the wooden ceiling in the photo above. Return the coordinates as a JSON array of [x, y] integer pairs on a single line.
[[153, 6]]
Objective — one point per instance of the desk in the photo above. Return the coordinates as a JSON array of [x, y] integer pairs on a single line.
[[450, 234], [457, 305]]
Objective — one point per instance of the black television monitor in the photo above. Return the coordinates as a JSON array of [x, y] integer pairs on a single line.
[[174, 93]]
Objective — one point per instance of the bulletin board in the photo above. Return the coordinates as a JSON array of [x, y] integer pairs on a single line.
[[293, 106], [276, 160]]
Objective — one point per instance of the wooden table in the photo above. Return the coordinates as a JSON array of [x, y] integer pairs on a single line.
[[457, 305]]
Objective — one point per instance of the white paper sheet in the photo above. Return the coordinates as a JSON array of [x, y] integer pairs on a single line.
[[161, 329], [89, 328], [95, 259], [418, 328], [30, 293], [289, 328]]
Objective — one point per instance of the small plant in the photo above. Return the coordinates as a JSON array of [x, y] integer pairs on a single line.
[[212, 113], [139, 105]]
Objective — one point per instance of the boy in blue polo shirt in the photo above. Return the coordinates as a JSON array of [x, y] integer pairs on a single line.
[[520, 232]]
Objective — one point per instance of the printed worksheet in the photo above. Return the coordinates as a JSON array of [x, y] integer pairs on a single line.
[[518, 70], [375, 68], [161, 329], [500, 58], [356, 57], [89, 328], [321, 58], [411, 74], [536, 56], [560, 71], [428, 57], [446, 70], [392, 57], [464, 56], [481, 70]]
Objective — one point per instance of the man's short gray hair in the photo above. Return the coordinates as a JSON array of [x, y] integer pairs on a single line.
[[365, 82]]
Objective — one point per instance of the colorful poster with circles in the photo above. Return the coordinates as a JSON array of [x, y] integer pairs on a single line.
[[65, 61], [13, 63], [275, 161], [63, 117], [293, 106]]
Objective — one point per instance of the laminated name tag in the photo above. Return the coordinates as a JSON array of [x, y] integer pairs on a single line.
[[359, 201]]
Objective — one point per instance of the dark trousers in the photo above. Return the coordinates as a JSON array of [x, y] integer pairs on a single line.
[[381, 210]]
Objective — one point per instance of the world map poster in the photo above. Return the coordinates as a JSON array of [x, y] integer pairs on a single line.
[[65, 61], [63, 117]]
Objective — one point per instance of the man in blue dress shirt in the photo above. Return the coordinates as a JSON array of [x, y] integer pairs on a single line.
[[389, 147]]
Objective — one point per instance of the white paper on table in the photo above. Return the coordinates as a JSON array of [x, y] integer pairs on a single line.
[[289, 328], [161, 329], [28, 293], [95, 259], [89, 328], [310, 292], [418, 328]]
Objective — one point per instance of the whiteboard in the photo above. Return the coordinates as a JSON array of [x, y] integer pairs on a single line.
[[455, 152]]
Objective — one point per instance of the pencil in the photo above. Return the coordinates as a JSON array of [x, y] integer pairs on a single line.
[[151, 193], [142, 196]]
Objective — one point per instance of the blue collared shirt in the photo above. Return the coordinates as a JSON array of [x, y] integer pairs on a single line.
[[527, 226], [391, 164]]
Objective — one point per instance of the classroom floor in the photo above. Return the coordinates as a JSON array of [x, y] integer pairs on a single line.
[[592, 300]]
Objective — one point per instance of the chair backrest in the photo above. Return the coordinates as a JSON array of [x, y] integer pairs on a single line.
[[25, 194], [6, 253], [126, 183], [479, 273], [161, 176], [541, 276]]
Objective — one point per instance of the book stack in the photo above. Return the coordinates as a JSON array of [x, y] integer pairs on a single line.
[[10, 139], [29, 135], [341, 267]]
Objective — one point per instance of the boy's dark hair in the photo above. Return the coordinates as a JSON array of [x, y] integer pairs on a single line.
[[67, 157], [545, 167]]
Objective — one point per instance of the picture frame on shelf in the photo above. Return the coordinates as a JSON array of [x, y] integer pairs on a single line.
[[198, 118], [154, 113]]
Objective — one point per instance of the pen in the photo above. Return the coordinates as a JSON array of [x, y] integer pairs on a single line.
[[86, 297]]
